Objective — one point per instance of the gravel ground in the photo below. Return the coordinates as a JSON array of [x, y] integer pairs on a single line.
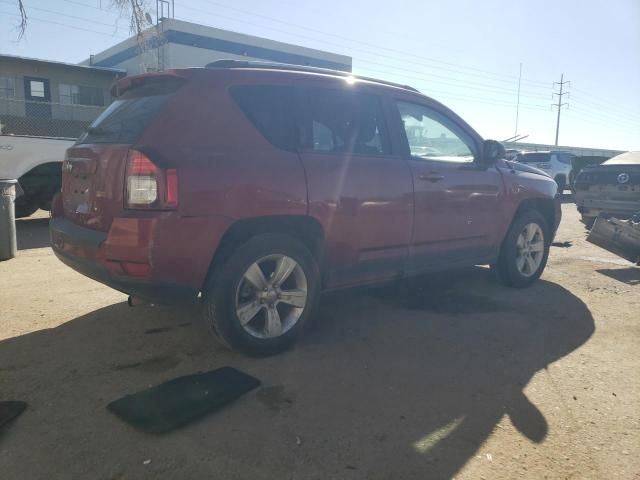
[[450, 376]]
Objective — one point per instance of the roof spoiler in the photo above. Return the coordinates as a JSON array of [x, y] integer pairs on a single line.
[[129, 83]]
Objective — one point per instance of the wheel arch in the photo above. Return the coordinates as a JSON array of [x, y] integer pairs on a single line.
[[304, 228], [545, 206]]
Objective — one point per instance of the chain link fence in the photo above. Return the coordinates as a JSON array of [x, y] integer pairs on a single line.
[[45, 119]]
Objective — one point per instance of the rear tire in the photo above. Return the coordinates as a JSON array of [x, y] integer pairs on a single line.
[[562, 184], [264, 319], [524, 251]]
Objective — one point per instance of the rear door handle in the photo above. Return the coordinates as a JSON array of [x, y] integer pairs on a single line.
[[431, 177]]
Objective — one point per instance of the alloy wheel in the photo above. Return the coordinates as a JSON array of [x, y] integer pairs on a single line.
[[530, 249], [271, 296]]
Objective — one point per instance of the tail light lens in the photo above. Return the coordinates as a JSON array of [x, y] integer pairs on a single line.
[[148, 186]]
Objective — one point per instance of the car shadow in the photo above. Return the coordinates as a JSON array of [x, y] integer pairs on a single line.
[[630, 276], [404, 381], [32, 233]]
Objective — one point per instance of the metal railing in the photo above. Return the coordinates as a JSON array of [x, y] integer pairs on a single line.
[[45, 119]]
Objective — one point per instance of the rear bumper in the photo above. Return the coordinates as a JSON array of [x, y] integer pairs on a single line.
[[593, 207], [81, 249]]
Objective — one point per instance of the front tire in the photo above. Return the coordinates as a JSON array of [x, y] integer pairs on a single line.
[[524, 251], [261, 298]]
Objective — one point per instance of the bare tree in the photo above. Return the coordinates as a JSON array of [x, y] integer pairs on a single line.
[[135, 10]]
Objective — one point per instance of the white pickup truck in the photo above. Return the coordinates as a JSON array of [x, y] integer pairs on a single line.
[[36, 162]]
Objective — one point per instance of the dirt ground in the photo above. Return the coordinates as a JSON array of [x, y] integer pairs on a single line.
[[450, 376]]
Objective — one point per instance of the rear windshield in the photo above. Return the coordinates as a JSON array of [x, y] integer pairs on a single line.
[[127, 117], [533, 158]]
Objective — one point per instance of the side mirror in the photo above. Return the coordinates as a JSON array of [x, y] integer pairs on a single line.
[[492, 151]]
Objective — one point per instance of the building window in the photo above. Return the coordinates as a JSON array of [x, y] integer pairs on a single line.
[[81, 95], [37, 88], [7, 87]]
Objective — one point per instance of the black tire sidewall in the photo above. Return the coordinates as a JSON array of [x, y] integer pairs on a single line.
[[508, 271], [219, 295]]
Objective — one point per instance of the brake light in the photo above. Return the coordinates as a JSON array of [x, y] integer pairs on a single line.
[[172, 188], [147, 186]]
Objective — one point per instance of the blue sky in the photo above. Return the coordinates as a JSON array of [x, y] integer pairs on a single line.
[[465, 53]]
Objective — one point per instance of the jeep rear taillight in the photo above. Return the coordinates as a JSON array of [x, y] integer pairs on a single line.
[[148, 186]]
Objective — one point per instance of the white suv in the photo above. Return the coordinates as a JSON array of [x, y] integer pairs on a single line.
[[556, 164]]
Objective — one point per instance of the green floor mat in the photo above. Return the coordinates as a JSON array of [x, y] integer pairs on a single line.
[[182, 400]]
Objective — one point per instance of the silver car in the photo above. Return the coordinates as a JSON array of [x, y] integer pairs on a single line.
[[555, 164]]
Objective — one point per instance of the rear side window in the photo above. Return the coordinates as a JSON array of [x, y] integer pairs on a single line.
[[127, 117], [342, 121], [534, 158], [269, 108]]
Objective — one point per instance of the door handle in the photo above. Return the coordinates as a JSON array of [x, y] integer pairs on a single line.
[[431, 177]]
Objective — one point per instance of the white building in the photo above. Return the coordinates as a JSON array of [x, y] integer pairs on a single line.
[[178, 44]]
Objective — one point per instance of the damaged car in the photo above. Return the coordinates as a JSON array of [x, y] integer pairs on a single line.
[[611, 189]]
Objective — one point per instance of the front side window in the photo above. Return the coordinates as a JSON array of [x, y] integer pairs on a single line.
[[340, 121], [431, 136], [7, 87]]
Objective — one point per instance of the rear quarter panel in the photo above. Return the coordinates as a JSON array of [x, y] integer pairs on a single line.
[[227, 170]]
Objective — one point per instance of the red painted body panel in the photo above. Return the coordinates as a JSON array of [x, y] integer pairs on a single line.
[[376, 214], [365, 206]]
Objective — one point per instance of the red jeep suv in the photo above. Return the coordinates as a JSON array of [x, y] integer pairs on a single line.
[[253, 187]]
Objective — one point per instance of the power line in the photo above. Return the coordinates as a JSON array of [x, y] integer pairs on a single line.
[[511, 78], [115, 27], [602, 119], [423, 77], [559, 104], [598, 107], [52, 22], [492, 88], [605, 113]]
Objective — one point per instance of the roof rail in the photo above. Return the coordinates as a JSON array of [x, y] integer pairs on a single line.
[[229, 63]]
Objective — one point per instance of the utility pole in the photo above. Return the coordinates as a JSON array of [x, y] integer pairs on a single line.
[[559, 105], [515, 133]]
